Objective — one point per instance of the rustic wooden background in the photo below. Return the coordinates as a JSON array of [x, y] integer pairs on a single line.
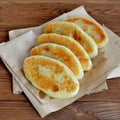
[[26, 13]]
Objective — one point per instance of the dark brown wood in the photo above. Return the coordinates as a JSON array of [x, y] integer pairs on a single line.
[[27, 13]]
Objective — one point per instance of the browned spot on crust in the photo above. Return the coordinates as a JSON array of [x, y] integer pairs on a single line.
[[47, 48], [76, 36], [55, 88]]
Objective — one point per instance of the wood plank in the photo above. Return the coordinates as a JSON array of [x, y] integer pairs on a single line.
[[4, 73], [23, 110], [61, 1], [7, 94], [99, 110], [33, 14]]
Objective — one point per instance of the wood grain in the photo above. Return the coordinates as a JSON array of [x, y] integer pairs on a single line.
[[27, 13], [84, 110]]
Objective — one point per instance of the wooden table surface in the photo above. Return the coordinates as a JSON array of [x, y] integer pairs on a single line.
[[26, 13]]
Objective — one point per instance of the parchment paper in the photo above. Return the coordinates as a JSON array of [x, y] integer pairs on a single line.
[[15, 33]]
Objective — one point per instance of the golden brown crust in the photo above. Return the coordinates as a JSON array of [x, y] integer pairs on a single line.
[[74, 31], [60, 53], [43, 72], [70, 43], [98, 33]]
